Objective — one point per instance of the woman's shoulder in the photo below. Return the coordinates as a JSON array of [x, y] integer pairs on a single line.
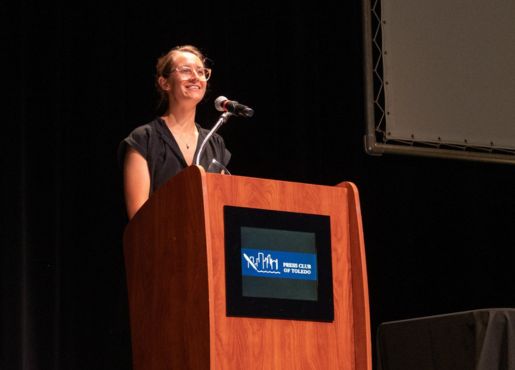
[[147, 128], [142, 139]]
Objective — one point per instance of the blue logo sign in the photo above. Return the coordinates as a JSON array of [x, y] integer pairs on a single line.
[[278, 264]]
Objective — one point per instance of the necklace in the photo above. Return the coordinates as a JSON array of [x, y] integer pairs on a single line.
[[181, 138], [184, 142], [176, 135]]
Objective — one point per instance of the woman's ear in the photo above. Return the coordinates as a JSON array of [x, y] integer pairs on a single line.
[[163, 83]]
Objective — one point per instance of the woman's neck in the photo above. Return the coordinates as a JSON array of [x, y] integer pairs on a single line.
[[180, 120]]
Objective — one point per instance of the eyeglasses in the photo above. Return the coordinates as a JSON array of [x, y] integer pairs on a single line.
[[187, 72]]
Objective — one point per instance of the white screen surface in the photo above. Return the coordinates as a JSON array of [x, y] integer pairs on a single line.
[[449, 71]]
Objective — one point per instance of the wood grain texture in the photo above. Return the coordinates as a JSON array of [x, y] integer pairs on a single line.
[[165, 256], [174, 249], [249, 343], [360, 302]]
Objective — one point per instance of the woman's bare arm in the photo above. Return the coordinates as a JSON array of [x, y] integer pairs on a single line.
[[136, 181]]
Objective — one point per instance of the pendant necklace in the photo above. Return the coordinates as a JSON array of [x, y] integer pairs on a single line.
[[177, 136], [182, 140], [185, 143]]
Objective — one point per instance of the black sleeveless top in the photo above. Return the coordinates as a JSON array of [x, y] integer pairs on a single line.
[[156, 144]]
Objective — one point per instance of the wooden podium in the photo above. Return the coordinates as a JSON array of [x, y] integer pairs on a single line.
[[174, 255]]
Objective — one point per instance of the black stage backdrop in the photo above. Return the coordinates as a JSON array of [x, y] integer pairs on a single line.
[[439, 233]]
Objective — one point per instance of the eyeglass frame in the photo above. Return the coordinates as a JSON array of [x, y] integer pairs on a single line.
[[193, 70]]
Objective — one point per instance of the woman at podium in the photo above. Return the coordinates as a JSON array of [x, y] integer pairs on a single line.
[[158, 150]]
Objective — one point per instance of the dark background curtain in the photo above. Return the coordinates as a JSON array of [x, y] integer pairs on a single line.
[[78, 77]]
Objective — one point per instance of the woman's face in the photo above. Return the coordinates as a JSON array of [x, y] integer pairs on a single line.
[[187, 82]]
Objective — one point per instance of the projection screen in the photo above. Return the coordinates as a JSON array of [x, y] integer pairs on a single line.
[[440, 78]]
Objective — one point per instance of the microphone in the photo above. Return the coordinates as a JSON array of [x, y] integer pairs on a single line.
[[222, 104]]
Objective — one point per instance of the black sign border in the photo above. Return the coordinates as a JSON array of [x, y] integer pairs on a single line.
[[238, 305]]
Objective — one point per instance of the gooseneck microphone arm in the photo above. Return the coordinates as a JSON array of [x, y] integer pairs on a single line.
[[224, 117]]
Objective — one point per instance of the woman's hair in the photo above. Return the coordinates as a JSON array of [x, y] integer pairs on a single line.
[[165, 64]]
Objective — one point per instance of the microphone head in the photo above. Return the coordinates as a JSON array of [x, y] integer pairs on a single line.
[[247, 112], [219, 103]]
